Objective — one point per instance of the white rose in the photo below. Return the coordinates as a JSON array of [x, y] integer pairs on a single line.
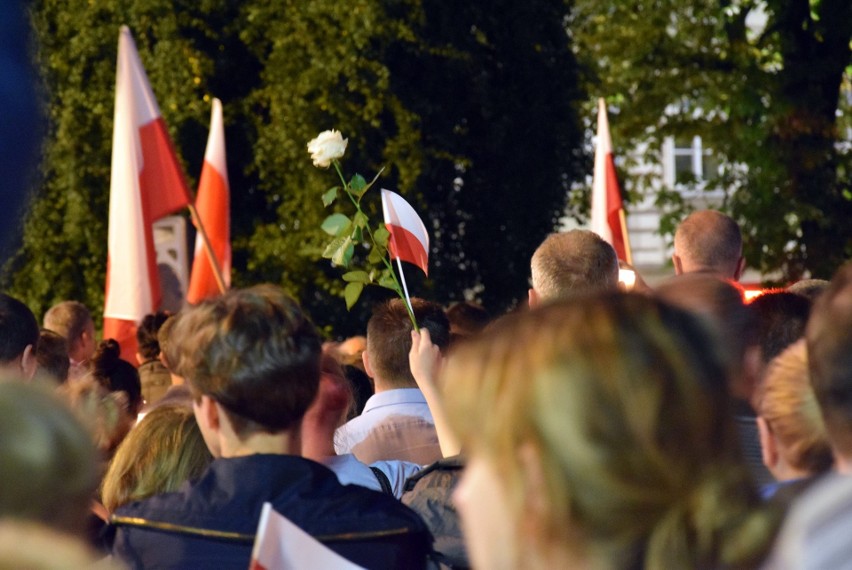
[[328, 146]]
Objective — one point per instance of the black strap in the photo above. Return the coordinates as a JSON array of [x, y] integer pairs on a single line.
[[384, 482]]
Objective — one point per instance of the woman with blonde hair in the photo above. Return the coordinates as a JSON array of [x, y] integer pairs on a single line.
[[164, 450], [599, 435], [792, 434]]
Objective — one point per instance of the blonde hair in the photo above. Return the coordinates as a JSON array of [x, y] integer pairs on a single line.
[[786, 400], [626, 410], [164, 450]]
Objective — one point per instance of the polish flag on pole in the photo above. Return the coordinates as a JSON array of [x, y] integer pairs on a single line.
[[281, 545], [408, 240], [213, 205], [608, 219], [146, 184]]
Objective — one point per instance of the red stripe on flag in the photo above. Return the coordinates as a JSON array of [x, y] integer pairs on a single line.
[[405, 246], [613, 207], [212, 206], [164, 189], [125, 333]]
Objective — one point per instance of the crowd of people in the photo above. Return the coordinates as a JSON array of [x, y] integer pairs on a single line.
[[674, 426]]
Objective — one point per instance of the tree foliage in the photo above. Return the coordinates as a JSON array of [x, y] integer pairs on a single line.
[[760, 82], [469, 109]]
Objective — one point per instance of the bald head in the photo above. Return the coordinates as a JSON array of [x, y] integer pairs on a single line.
[[708, 241], [571, 263]]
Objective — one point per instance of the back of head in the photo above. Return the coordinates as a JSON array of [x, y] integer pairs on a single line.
[[572, 263], [162, 452], [467, 318], [786, 401], [709, 241], [720, 304], [18, 329], [146, 335], [829, 339], [780, 318], [254, 352], [389, 338], [117, 375], [52, 356], [47, 461], [622, 409], [68, 318], [809, 288]]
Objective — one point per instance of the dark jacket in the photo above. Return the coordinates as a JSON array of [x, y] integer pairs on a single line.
[[211, 523]]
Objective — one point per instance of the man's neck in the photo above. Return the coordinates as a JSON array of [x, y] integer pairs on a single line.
[[284, 443]]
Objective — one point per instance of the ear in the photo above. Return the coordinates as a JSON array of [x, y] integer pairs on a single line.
[[208, 412], [768, 447], [678, 264], [738, 272], [29, 364], [139, 358], [365, 358], [532, 298]]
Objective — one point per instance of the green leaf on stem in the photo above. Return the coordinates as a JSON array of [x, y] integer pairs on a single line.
[[381, 236], [344, 253], [358, 185], [356, 277], [351, 293], [329, 196], [332, 247], [361, 220], [336, 224], [386, 279], [375, 256]]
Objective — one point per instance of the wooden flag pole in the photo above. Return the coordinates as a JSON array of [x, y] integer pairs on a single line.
[[623, 220], [208, 247]]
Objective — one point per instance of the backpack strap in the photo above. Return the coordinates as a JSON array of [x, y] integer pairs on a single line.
[[384, 482]]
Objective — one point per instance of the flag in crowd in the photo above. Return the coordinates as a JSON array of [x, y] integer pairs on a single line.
[[213, 205], [607, 217], [146, 184], [409, 240]]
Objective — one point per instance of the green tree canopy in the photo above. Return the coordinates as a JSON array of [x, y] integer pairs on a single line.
[[760, 82], [469, 109]]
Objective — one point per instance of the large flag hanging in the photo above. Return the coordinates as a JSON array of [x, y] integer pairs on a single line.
[[409, 240], [212, 204], [607, 209], [146, 184], [281, 545]]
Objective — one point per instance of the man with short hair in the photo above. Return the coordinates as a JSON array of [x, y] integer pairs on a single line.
[[572, 263], [829, 340], [73, 321], [18, 338], [252, 361], [708, 241], [396, 422]]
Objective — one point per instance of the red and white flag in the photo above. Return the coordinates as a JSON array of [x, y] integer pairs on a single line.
[[607, 219], [281, 545], [409, 240], [146, 183], [213, 206]]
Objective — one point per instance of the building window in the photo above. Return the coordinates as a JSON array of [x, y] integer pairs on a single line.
[[686, 161]]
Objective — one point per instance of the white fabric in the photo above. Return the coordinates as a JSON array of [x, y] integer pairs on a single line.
[[350, 471]]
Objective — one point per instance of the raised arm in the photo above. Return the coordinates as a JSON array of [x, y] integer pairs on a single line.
[[425, 362]]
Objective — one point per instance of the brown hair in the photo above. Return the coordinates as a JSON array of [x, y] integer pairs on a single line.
[[389, 337], [620, 400], [710, 240], [164, 450], [254, 352]]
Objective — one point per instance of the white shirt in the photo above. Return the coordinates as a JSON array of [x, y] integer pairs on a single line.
[[350, 471]]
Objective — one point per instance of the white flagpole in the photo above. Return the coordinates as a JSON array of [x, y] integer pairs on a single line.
[[404, 286]]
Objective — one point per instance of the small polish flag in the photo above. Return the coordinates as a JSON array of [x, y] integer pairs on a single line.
[[213, 205], [281, 545], [607, 215], [146, 184], [408, 240]]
